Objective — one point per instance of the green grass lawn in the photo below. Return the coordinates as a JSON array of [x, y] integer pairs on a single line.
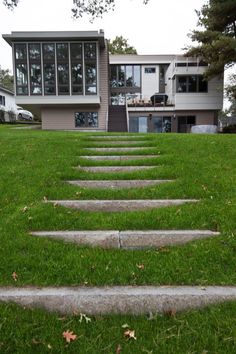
[[34, 165]]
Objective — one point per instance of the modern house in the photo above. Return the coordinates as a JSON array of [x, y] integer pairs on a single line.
[[71, 81], [8, 107]]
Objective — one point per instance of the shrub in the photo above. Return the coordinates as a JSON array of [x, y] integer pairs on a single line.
[[230, 129]]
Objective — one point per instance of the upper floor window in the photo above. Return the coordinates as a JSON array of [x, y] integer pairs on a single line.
[[150, 70], [191, 83], [35, 68], [21, 68], [90, 59], [125, 76], [2, 100]]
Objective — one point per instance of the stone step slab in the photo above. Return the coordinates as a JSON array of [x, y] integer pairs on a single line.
[[116, 184], [121, 142], [120, 205], [136, 239], [118, 157], [121, 137], [134, 300], [116, 149], [102, 169]]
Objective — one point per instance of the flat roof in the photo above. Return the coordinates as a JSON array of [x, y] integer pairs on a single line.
[[147, 59], [55, 36]]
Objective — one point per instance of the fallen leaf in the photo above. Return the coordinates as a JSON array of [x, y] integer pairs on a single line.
[[140, 266], [130, 334], [118, 349], [14, 276], [69, 336], [49, 346], [24, 209]]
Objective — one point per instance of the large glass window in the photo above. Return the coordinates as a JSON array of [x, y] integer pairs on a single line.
[[49, 69], [35, 69], [125, 76], [63, 68], [191, 83], [86, 119], [90, 57], [76, 54], [49, 79], [20, 52], [34, 52], [48, 52], [137, 76], [90, 78], [90, 51], [21, 69]]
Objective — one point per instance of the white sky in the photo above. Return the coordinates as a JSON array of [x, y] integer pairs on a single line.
[[161, 27]]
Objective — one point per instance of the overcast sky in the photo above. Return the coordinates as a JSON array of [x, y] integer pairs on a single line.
[[161, 27]]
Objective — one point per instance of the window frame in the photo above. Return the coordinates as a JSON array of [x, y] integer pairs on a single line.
[[86, 119], [187, 78]]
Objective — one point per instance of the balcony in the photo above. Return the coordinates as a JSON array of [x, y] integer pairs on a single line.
[[156, 102]]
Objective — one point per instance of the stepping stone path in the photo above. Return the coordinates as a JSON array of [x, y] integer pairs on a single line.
[[118, 157], [127, 239], [109, 169], [120, 299], [117, 149], [115, 184], [119, 205]]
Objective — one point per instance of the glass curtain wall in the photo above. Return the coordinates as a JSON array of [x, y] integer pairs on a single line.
[[90, 58], [56, 68], [49, 69], [21, 69], [35, 69], [63, 68], [76, 55]]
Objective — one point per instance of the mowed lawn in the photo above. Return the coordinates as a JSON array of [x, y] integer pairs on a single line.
[[33, 168]]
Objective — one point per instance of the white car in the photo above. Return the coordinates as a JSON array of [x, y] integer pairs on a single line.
[[23, 114]]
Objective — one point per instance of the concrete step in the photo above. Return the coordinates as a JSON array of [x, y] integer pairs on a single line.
[[102, 169], [115, 184], [117, 149], [122, 142], [118, 157], [120, 205], [122, 137], [135, 300], [137, 239]]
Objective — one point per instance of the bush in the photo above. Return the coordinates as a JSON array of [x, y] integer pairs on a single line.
[[230, 129], [2, 116]]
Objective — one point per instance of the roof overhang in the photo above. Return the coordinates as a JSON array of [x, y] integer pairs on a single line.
[[56, 36]]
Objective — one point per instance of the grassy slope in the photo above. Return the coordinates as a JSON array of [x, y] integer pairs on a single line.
[[34, 165]]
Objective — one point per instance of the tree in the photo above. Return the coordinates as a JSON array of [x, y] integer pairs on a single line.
[[120, 45], [6, 79], [217, 38], [92, 8]]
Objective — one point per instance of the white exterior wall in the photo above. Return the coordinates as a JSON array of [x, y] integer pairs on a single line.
[[10, 104], [149, 82], [211, 100]]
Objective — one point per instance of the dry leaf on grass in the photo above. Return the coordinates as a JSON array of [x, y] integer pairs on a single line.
[[140, 266], [14, 276], [130, 334], [69, 336], [118, 349]]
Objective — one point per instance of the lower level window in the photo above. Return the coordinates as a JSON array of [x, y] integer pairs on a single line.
[[86, 119]]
